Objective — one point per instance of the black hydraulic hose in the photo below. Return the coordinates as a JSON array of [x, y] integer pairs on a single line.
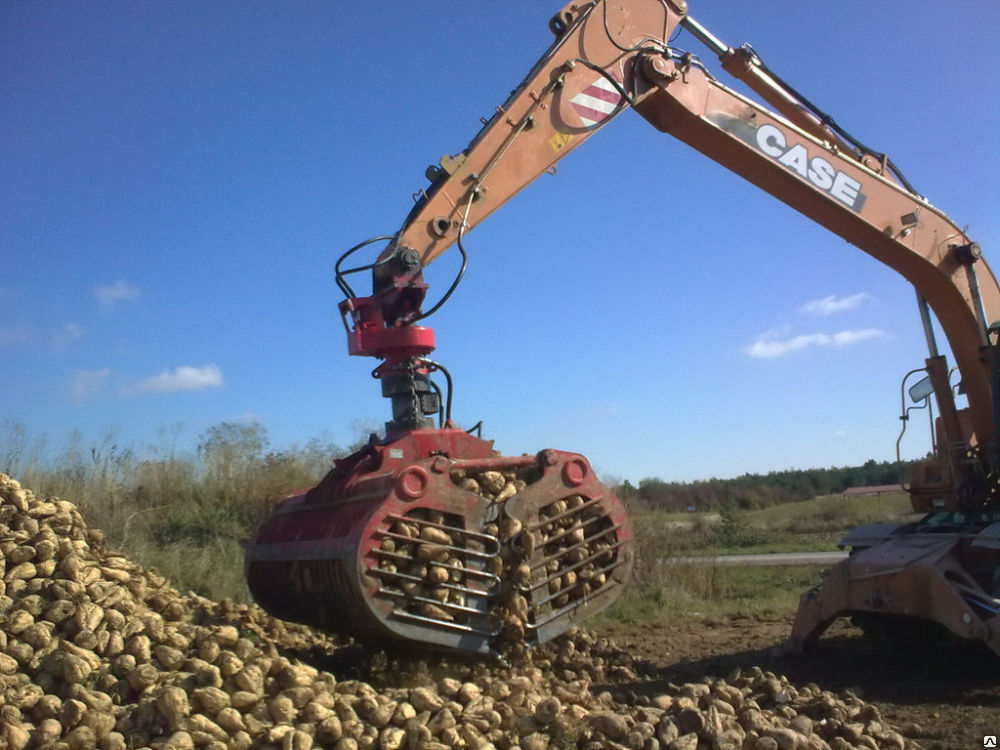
[[465, 261], [341, 282], [454, 284], [447, 377], [626, 97], [437, 390], [829, 122]]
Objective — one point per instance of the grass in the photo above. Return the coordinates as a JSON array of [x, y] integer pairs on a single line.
[[680, 591], [665, 588], [814, 542], [214, 570], [807, 526], [831, 513]]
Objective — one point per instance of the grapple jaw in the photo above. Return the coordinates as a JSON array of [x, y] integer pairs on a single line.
[[434, 538]]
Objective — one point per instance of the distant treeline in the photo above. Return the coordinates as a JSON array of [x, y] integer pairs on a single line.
[[751, 491]]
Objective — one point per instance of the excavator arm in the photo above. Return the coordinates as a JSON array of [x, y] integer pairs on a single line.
[[609, 56]]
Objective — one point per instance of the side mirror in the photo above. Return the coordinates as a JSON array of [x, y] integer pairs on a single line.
[[921, 389]]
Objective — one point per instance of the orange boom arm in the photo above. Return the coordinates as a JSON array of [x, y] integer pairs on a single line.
[[609, 56]]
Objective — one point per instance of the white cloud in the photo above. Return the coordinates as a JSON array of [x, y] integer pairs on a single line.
[[768, 346], [85, 384], [834, 304], [846, 338], [120, 291], [184, 378]]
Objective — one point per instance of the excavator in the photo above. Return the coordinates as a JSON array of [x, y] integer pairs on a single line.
[[429, 537]]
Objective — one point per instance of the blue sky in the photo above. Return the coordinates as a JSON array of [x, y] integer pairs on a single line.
[[177, 179]]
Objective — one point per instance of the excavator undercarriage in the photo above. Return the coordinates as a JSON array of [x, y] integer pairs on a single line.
[[908, 582]]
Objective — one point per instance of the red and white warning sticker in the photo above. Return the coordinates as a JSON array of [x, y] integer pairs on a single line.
[[596, 102]]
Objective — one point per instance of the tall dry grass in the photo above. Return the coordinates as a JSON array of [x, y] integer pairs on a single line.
[[183, 514]]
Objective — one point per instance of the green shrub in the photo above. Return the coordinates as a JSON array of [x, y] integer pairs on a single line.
[[733, 530]]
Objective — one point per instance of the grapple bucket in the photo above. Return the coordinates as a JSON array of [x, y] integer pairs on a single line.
[[433, 538]]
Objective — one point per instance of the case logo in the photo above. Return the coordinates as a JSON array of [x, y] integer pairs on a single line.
[[817, 170]]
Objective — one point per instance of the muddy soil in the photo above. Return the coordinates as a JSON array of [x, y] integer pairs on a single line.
[[945, 696]]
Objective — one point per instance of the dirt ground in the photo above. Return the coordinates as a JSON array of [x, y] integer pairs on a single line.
[[944, 698]]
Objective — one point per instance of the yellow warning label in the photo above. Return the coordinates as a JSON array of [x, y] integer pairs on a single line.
[[560, 140]]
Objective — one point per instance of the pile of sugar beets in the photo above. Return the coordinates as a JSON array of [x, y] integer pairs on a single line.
[[96, 652]]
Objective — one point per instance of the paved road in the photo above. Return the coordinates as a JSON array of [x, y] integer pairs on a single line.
[[770, 558]]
